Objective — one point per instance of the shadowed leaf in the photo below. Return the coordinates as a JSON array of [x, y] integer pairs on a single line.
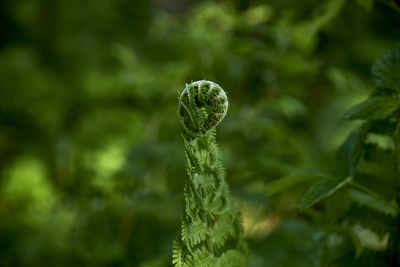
[[321, 190]]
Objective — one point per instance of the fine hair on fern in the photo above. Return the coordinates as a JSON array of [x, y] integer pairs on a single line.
[[211, 232]]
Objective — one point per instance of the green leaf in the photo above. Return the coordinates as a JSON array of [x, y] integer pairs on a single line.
[[232, 258], [378, 204], [381, 141], [358, 247], [195, 232], [286, 182], [348, 233], [321, 190], [377, 222], [177, 256], [374, 108], [201, 257], [387, 70], [351, 151], [367, 4], [220, 232]]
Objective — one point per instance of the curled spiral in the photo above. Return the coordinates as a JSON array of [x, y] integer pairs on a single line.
[[196, 120]]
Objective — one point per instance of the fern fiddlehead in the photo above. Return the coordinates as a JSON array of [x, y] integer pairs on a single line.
[[211, 231]]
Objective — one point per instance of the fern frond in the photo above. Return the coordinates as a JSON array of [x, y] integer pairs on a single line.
[[220, 232], [201, 258], [231, 258], [177, 255], [195, 232], [210, 218]]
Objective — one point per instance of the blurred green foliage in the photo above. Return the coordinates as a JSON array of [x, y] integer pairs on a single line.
[[91, 157]]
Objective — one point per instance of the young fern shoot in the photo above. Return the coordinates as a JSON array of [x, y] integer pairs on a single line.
[[211, 231]]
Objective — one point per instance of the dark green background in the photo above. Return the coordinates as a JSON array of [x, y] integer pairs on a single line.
[[91, 156]]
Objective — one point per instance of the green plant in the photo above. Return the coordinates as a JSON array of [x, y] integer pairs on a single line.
[[368, 170], [211, 232]]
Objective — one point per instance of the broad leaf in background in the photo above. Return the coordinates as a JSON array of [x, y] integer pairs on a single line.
[[351, 152], [287, 182], [321, 190], [374, 108], [367, 4], [383, 142], [387, 70], [376, 203]]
